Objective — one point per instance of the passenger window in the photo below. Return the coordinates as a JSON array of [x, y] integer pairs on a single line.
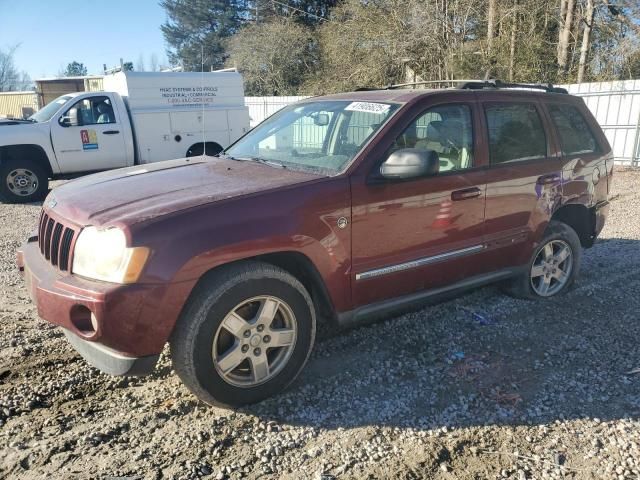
[[515, 133], [575, 135], [446, 130], [94, 111]]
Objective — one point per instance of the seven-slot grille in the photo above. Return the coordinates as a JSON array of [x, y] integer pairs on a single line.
[[55, 240]]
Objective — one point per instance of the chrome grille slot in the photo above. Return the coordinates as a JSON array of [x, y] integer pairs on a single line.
[[55, 243], [55, 240], [65, 249]]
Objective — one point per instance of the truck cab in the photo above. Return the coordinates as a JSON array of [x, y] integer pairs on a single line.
[[143, 117]]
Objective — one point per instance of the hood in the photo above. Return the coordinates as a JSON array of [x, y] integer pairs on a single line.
[[135, 194]]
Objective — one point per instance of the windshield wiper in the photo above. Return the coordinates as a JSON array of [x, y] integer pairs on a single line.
[[259, 160]]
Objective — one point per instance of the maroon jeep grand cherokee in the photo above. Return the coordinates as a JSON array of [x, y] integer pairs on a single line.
[[337, 209]]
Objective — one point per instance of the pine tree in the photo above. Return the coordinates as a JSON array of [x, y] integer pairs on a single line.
[[307, 12], [194, 24]]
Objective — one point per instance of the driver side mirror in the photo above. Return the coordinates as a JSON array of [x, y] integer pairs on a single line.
[[70, 119], [410, 163]]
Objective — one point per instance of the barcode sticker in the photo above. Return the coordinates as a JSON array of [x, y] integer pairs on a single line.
[[368, 107]]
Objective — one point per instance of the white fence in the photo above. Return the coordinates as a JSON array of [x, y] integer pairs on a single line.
[[263, 107], [616, 106]]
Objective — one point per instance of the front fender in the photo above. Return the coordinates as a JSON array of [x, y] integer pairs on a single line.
[[36, 134], [302, 219]]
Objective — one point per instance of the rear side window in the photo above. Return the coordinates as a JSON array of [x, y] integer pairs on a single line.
[[515, 133], [575, 135]]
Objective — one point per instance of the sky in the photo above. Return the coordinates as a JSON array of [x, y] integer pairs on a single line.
[[52, 33]]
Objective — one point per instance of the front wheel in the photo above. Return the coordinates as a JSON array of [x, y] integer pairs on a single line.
[[554, 264], [245, 335], [22, 181]]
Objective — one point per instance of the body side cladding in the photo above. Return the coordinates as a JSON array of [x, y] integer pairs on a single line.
[[373, 312]]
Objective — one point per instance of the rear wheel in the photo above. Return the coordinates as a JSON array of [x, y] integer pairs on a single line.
[[245, 335], [553, 267], [22, 181]]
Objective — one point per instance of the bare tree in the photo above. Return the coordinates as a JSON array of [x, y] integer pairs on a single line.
[[153, 63], [512, 40], [9, 75], [565, 36], [140, 64], [491, 25], [586, 38]]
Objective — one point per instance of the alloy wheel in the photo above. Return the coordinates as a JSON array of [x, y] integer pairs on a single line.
[[551, 269], [254, 341]]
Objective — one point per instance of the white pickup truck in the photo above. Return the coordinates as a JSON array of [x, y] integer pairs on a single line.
[[141, 117]]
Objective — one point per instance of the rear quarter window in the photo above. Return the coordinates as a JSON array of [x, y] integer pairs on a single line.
[[573, 130]]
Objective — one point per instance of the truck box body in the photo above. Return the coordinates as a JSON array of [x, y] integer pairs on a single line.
[[169, 112]]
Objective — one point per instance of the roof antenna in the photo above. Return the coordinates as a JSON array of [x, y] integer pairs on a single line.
[[204, 144]]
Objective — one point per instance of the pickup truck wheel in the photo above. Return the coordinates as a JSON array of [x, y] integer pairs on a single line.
[[245, 335], [554, 264], [22, 181]]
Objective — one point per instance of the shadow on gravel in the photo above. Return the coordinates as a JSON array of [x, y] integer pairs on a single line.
[[484, 359]]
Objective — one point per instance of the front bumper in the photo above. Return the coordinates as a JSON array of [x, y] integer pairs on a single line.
[[125, 339]]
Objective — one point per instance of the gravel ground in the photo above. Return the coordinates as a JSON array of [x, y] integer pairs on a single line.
[[483, 386]]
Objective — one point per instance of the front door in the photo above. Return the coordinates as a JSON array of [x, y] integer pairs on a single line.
[[421, 233], [89, 136]]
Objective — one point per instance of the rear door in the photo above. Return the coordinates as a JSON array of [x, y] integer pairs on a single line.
[[89, 135], [524, 176], [426, 232]]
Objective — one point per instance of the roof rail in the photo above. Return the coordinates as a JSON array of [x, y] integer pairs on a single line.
[[429, 82], [494, 83], [474, 85]]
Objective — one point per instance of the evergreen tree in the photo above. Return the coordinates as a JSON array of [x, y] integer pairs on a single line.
[[194, 24], [308, 12], [75, 69]]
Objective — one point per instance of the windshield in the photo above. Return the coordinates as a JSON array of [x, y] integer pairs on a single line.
[[321, 136], [45, 113]]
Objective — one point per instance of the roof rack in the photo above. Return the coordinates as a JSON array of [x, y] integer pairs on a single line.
[[494, 83], [475, 85]]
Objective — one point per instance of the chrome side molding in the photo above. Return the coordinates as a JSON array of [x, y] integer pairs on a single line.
[[420, 262]]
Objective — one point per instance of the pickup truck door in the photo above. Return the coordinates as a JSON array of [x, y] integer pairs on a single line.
[[89, 135], [427, 232]]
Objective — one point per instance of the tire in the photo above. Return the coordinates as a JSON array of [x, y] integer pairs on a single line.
[[23, 181], [558, 235], [200, 341]]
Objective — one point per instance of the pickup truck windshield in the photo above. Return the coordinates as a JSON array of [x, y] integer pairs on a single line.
[[321, 136], [45, 113]]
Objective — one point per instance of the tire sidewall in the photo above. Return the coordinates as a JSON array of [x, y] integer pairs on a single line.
[[8, 196], [211, 316], [556, 231]]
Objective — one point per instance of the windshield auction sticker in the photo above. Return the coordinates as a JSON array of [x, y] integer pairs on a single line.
[[368, 107]]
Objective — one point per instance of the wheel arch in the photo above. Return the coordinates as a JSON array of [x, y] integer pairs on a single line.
[[578, 217], [204, 146], [30, 151], [298, 265]]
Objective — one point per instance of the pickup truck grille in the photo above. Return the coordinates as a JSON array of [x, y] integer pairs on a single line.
[[55, 241]]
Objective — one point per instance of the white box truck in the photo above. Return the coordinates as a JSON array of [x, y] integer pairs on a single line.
[[141, 117]]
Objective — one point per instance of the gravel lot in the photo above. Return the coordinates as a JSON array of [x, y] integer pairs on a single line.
[[483, 386]]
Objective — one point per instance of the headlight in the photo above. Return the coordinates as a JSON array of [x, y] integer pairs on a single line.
[[103, 255]]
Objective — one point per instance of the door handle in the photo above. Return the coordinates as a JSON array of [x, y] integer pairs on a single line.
[[466, 194], [111, 132], [548, 179]]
